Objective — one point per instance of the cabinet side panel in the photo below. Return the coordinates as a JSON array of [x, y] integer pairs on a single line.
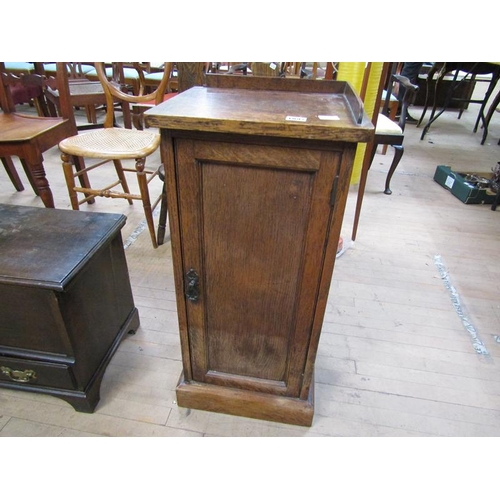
[[30, 319], [254, 222], [96, 306]]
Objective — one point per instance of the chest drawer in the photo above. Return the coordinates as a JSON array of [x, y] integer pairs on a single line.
[[35, 373]]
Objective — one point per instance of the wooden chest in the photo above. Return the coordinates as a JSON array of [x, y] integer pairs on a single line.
[[258, 172], [65, 301]]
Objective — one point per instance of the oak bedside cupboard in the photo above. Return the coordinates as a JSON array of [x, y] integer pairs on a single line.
[[65, 301], [257, 173]]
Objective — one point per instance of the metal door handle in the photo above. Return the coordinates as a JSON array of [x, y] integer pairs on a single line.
[[192, 285]]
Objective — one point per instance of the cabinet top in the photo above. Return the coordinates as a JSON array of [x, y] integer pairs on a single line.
[[300, 109], [46, 247]]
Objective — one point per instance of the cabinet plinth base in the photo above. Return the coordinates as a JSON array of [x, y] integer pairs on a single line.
[[243, 403]]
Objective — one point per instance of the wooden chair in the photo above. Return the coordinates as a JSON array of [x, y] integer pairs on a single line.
[[29, 89], [273, 69], [313, 70], [387, 132], [189, 74], [28, 137], [390, 132], [151, 75], [227, 67], [392, 106], [113, 144], [84, 93], [76, 70], [24, 89], [124, 73]]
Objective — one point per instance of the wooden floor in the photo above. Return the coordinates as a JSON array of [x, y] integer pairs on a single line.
[[395, 356]]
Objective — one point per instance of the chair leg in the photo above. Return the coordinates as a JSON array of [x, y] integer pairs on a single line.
[[433, 116], [79, 164], [491, 110], [91, 114], [428, 82], [29, 175], [162, 222], [496, 201], [123, 179], [10, 168], [367, 162], [398, 154], [70, 180], [140, 163]]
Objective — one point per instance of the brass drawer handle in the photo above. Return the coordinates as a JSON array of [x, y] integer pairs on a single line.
[[18, 375]]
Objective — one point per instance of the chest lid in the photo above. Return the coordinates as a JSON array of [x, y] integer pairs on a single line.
[[46, 247]]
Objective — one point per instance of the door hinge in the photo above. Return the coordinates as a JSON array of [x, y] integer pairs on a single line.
[[333, 196]]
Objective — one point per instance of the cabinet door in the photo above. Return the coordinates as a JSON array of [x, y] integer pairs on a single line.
[[254, 223]]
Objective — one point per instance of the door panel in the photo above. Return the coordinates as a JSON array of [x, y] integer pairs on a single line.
[[248, 222], [252, 221]]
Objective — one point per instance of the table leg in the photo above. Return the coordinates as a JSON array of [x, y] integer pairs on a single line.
[[480, 116], [493, 107], [34, 165], [428, 82], [496, 201], [449, 95]]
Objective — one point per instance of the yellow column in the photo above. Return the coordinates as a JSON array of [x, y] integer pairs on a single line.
[[353, 72]]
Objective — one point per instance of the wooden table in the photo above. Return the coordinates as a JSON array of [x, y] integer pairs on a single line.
[[470, 68], [65, 301], [258, 172]]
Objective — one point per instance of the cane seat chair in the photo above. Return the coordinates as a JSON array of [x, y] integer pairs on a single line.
[[189, 74], [114, 144]]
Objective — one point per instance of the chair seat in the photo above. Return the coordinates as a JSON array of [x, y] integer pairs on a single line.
[[128, 73], [80, 87], [111, 143], [393, 98], [154, 76], [51, 68], [16, 127], [385, 126], [26, 67]]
